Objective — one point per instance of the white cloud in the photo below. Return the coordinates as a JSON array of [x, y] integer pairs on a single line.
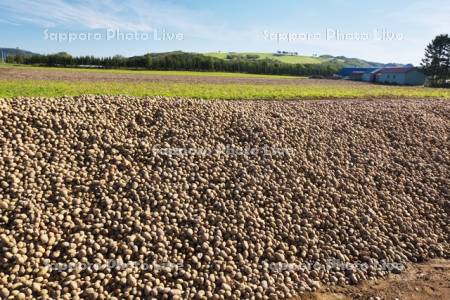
[[135, 15], [49, 13], [8, 22]]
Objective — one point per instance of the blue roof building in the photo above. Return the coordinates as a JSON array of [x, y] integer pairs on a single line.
[[370, 76], [345, 72], [401, 76]]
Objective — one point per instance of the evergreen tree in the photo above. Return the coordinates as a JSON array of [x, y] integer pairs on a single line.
[[436, 63]]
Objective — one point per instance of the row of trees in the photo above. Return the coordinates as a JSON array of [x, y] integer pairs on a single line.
[[180, 61], [436, 63], [241, 56]]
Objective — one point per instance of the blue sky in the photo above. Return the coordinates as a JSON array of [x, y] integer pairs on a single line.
[[385, 31]]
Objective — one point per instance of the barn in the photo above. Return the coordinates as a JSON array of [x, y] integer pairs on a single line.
[[370, 75], [401, 76], [345, 72], [356, 75]]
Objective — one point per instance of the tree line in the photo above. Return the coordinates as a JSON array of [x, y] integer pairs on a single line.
[[179, 61]]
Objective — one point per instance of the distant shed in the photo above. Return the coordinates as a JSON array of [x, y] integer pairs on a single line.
[[345, 72], [356, 75], [371, 75], [401, 76]]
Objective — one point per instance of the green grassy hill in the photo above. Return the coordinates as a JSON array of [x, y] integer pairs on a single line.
[[340, 61], [15, 51], [302, 59]]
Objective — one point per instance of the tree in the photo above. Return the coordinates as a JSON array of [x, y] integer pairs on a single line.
[[10, 59], [183, 61], [436, 63], [252, 56], [118, 61], [149, 61]]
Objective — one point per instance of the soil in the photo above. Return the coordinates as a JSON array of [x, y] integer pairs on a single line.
[[78, 75], [427, 281]]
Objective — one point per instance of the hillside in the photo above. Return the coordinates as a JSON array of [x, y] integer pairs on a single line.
[[15, 51], [301, 59], [281, 63], [341, 61], [355, 62]]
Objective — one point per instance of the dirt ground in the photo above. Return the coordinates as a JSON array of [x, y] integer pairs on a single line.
[[427, 281], [70, 75]]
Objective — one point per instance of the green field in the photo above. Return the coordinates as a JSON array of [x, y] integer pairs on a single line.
[[304, 89], [148, 72], [13, 88], [263, 55]]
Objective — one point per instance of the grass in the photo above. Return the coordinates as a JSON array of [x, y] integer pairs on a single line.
[[146, 72], [300, 59], [13, 88]]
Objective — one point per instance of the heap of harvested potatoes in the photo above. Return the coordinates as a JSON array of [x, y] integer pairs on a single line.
[[105, 197]]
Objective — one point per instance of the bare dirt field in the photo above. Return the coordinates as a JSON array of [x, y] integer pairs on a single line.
[[425, 281], [105, 76]]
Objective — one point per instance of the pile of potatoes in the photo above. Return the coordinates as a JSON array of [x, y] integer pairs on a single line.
[[115, 197]]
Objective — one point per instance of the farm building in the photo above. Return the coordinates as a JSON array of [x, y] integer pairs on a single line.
[[356, 75], [402, 76], [370, 76], [345, 72]]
